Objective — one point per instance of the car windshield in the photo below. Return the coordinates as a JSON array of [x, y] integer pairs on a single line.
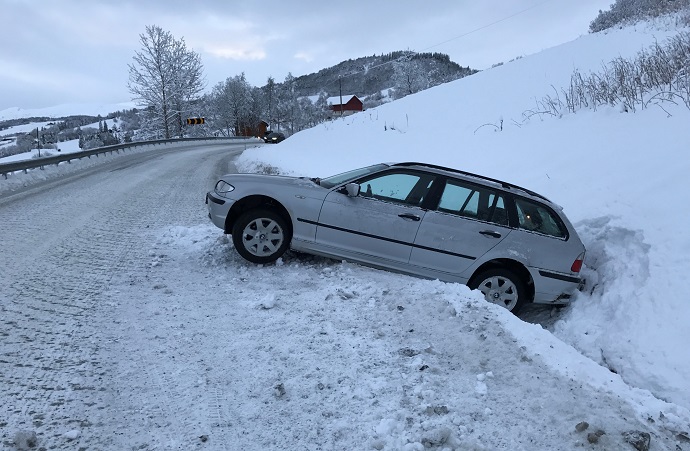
[[330, 182]]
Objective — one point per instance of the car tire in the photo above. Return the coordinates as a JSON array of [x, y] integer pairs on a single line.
[[261, 236], [501, 287]]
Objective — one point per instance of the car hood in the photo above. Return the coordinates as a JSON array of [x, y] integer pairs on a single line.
[[276, 186], [270, 180]]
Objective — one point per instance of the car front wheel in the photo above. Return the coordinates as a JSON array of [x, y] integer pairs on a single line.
[[501, 287], [261, 236]]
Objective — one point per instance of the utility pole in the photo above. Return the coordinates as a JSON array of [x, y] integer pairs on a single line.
[[340, 83], [38, 141]]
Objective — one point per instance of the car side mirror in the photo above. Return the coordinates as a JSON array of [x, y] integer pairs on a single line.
[[352, 189]]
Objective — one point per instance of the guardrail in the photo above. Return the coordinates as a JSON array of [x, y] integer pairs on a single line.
[[25, 165]]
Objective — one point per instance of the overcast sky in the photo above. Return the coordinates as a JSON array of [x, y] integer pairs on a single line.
[[77, 51]]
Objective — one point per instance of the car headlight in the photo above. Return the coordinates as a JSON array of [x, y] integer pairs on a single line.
[[223, 187]]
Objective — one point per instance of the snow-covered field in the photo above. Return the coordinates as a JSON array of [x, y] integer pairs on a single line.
[[133, 324], [24, 128], [6, 142], [64, 146], [70, 146]]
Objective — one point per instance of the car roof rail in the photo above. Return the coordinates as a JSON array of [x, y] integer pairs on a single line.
[[505, 185]]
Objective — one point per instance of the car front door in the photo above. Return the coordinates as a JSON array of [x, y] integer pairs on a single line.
[[468, 222], [378, 225]]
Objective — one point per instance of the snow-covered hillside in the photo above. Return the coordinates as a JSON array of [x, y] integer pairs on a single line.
[[26, 128], [621, 178], [58, 111]]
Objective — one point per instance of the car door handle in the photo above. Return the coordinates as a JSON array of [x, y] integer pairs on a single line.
[[490, 233], [410, 216]]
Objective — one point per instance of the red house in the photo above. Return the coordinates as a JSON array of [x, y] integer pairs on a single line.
[[350, 105], [259, 130]]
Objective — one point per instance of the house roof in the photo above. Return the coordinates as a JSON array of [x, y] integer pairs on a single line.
[[336, 100]]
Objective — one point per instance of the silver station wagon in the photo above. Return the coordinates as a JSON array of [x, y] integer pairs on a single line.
[[512, 244]]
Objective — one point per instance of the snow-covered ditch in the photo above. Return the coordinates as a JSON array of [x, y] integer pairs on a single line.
[[621, 178], [391, 362]]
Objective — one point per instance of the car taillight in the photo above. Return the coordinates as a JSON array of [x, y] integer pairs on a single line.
[[577, 264]]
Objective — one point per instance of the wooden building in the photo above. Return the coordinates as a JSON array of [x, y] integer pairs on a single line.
[[350, 105], [259, 130]]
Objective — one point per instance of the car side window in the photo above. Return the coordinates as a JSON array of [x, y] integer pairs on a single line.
[[537, 218], [498, 210], [473, 202], [458, 199], [399, 187]]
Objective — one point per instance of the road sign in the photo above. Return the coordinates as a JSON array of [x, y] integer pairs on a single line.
[[195, 120]]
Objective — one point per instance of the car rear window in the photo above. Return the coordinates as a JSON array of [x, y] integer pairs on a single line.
[[540, 219], [473, 202]]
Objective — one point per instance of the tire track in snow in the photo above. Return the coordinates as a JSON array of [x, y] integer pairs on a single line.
[[56, 302], [66, 247], [162, 403]]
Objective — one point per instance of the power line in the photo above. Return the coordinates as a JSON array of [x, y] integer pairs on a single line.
[[457, 37], [487, 25]]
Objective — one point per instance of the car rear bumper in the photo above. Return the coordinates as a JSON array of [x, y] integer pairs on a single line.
[[552, 287]]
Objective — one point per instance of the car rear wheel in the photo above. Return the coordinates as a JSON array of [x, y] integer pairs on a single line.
[[261, 236], [501, 287]]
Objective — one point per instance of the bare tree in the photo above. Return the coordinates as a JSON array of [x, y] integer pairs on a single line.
[[270, 98], [165, 77], [409, 76], [287, 107], [187, 82], [232, 103]]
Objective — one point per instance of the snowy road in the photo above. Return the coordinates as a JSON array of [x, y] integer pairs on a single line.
[[65, 244], [128, 322]]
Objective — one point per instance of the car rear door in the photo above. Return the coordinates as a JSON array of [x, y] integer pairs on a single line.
[[380, 224], [469, 221], [543, 238]]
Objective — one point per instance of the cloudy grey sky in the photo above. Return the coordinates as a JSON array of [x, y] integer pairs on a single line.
[[77, 51]]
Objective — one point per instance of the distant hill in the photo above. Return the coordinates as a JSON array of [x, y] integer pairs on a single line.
[[369, 75], [62, 111], [365, 77]]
